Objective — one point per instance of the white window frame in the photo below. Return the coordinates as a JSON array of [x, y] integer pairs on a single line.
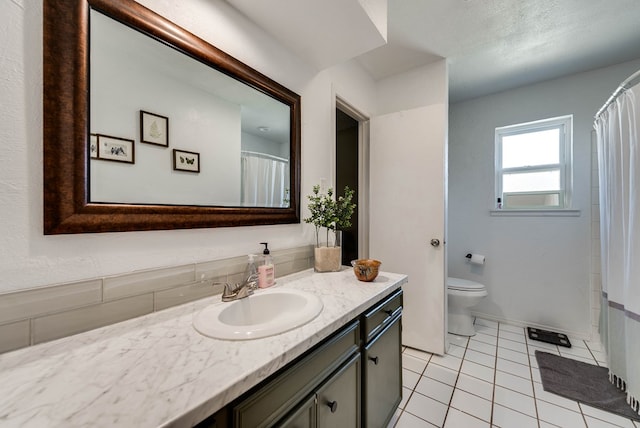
[[565, 125]]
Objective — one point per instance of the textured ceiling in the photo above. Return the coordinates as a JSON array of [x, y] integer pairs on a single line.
[[494, 45], [490, 45]]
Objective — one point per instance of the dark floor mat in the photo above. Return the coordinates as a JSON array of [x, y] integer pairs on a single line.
[[582, 382], [549, 337]]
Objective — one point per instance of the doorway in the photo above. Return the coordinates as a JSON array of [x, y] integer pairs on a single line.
[[347, 175], [352, 169]]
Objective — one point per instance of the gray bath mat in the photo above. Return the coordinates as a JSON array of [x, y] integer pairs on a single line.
[[586, 383]]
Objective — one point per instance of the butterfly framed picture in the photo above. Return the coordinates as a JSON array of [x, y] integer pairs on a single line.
[[186, 161]]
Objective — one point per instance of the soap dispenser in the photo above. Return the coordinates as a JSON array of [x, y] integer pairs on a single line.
[[266, 270], [251, 271]]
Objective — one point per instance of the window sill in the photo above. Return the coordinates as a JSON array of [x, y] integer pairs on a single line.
[[535, 213]]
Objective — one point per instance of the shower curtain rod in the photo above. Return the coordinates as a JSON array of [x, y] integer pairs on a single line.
[[264, 155], [623, 87]]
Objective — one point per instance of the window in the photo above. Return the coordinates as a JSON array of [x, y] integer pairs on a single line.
[[533, 164]]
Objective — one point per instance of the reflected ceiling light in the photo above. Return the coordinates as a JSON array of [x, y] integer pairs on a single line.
[[264, 128]]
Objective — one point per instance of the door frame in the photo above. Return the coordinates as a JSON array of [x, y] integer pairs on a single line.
[[339, 102]]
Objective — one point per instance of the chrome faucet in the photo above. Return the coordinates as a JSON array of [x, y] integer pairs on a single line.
[[240, 291]]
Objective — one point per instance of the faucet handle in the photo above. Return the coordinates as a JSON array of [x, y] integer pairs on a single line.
[[245, 291], [252, 281], [229, 292], [238, 291]]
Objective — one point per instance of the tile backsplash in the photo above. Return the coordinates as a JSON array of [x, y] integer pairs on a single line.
[[33, 316]]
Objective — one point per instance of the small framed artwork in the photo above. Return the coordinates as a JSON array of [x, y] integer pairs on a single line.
[[186, 161], [93, 146], [154, 129], [115, 149]]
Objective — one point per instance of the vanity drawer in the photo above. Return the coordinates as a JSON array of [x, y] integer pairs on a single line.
[[280, 395], [378, 317]]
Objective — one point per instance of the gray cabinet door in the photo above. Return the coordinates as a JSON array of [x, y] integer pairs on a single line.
[[339, 398], [303, 417], [383, 376]]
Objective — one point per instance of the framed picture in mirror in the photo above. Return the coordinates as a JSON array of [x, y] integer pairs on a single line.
[[154, 129], [186, 161], [115, 149], [93, 146]]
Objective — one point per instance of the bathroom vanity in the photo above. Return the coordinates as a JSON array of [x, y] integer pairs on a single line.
[[340, 369], [351, 379]]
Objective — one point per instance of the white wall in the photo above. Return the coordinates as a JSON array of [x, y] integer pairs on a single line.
[[254, 143], [28, 258], [419, 87], [538, 268], [347, 81]]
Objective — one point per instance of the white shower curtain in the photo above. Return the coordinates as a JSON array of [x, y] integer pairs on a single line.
[[264, 180], [619, 180]]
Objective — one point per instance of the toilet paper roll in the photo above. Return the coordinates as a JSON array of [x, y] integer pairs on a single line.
[[476, 259]]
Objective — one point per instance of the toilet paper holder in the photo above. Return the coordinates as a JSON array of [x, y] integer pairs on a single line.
[[476, 259]]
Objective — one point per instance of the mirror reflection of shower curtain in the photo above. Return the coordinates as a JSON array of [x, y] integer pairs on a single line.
[[619, 184], [265, 180]]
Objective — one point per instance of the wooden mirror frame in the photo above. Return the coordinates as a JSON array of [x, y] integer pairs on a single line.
[[66, 126]]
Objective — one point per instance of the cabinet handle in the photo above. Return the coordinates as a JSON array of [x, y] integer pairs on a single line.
[[374, 359], [333, 405]]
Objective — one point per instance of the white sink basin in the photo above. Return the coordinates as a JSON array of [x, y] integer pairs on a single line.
[[263, 314]]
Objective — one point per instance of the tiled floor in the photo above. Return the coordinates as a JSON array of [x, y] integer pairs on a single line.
[[492, 380]]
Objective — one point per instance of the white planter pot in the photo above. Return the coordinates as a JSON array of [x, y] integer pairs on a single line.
[[327, 259]]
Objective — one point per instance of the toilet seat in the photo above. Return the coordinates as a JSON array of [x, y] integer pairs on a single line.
[[459, 284]]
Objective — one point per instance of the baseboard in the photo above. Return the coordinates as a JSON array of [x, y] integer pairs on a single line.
[[518, 323]]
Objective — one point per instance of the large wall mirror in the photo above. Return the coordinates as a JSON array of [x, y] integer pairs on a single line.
[[147, 126]]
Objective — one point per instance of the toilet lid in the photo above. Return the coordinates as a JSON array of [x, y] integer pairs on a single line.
[[463, 284]]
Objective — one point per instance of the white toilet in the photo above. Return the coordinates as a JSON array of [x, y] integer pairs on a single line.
[[462, 295]]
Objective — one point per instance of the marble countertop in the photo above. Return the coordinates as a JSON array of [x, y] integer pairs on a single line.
[[158, 371]]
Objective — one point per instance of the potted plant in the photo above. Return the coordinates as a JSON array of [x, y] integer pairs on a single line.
[[334, 216]]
